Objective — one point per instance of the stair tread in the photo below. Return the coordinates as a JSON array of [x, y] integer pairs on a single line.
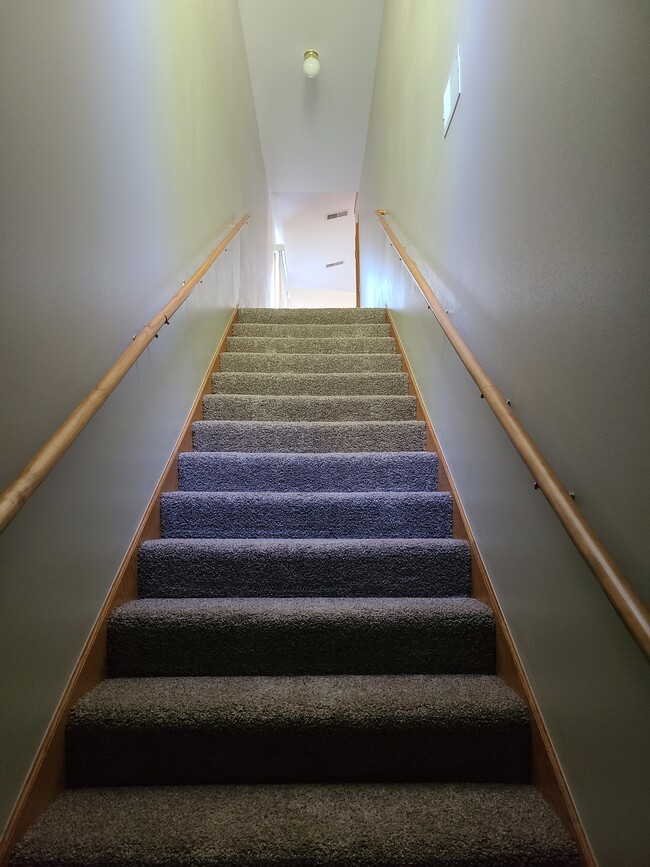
[[304, 607], [281, 514], [195, 702], [314, 548], [306, 329], [320, 345], [313, 362], [288, 497], [315, 471], [323, 383], [304, 567], [299, 728], [306, 825], [301, 635], [300, 407], [314, 315], [309, 436]]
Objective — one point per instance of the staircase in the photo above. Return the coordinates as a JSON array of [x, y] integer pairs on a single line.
[[304, 679]]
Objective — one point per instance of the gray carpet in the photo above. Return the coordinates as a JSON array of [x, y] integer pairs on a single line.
[[174, 568], [302, 329], [300, 635], [304, 631], [488, 825], [277, 471], [307, 407], [309, 436], [300, 515], [309, 383], [326, 728], [320, 345], [318, 316], [312, 362]]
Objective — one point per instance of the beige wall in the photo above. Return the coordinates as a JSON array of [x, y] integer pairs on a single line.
[[532, 219], [129, 144]]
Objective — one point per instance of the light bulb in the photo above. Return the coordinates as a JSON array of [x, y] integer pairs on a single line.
[[311, 66]]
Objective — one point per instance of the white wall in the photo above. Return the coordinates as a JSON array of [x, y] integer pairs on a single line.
[[311, 240], [129, 145], [533, 219], [321, 298]]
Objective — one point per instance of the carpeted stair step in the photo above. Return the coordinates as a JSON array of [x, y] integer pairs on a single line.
[[468, 825], [332, 436], [315, 471], [300, 407], [224, 637], [336, 728], [302, 345], [177, 568], [318, 515], [309, 383], [311, 362], [302, 329], [315, 316]]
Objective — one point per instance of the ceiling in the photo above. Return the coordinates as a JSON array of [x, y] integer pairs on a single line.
[[313, 131]]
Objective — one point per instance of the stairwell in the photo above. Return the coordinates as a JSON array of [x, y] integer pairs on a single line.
[[305, 678]]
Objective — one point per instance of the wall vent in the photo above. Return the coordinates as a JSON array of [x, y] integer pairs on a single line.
[[337, 214], [334, 264]]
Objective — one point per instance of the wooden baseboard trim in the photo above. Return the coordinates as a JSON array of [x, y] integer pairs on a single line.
[[546, 771], [46, 776]]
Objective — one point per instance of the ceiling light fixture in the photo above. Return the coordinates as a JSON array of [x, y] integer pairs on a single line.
[[311, 66]]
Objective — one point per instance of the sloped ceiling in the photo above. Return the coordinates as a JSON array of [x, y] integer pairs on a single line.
[[313, 131]]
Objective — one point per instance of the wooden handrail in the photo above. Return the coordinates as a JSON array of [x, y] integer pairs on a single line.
[[14, 497], [628, 604]]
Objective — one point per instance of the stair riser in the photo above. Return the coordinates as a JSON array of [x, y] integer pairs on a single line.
[[227, 753], [312, 437], [205, 471], [238, 407], [323, 643], [207, 515], [187, 569], [310, 383]]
